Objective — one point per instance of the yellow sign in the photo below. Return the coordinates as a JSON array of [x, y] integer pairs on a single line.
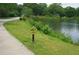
[[33, 30]]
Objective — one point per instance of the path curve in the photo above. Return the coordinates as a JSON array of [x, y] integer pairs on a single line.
[[9, 45]]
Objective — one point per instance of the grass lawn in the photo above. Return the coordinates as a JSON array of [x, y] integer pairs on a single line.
[[44, 44]]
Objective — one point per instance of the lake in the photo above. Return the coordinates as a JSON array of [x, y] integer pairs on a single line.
[[69, 29]]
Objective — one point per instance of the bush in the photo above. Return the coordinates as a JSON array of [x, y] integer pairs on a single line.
[[38, 25], [20, 18], [46, 29], [42, 27], [48, 19]]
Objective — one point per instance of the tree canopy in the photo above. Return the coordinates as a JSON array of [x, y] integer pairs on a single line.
[[14, 9], [8, 9]]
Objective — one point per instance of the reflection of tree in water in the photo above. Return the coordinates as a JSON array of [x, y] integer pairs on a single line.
[[78, 26], [68, 26], [71, 29], [59, 26], [55, 26]]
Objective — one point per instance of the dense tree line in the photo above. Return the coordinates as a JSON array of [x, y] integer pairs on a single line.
[[28, 9], [8, 9], [52, 9]]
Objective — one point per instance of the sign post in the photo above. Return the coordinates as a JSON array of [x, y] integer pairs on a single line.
[[33, 30]]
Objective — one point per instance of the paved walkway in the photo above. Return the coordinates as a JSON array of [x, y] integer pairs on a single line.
[[9, 45]]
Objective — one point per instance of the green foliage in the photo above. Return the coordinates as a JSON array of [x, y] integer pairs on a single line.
[[65, 19], [8, 9], [69, 19], [38, 9], [50, 20], [56, 9], [46, 29], [65, 38], [77, 11], [53, 9], [20, 18], [42, 27], [19, 9], [70, 12], [61, 36], [24, 18], [38, 25], [27, 11]]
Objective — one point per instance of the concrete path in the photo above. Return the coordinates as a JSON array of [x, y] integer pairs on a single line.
[[9, 45]]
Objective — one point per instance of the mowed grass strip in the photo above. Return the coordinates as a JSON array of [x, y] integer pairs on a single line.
[[44, 44]]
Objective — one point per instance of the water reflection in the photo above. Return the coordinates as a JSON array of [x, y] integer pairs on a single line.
[[70, 29], [56, 27]]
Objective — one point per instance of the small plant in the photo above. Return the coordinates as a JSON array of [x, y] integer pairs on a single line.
[[42, 27], [38, 25], [46, 29]]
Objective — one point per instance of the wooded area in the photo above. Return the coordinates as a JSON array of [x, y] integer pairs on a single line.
[[28, 9]]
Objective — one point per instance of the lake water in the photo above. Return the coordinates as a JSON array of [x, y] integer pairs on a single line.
[[70, 29]]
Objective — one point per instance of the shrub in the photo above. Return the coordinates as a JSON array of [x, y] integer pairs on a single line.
[[23, 18], [48, 19], [46, 29], [20, 18], [38, 25]]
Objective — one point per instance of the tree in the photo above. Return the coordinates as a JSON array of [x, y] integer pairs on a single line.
[[77, 11], [19, 9], [56, 9], [27, 11], [70, 12], [38, 9], [7, 9], [41, 9]]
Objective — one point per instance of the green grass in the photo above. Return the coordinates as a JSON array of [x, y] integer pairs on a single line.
[[44, 44]]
